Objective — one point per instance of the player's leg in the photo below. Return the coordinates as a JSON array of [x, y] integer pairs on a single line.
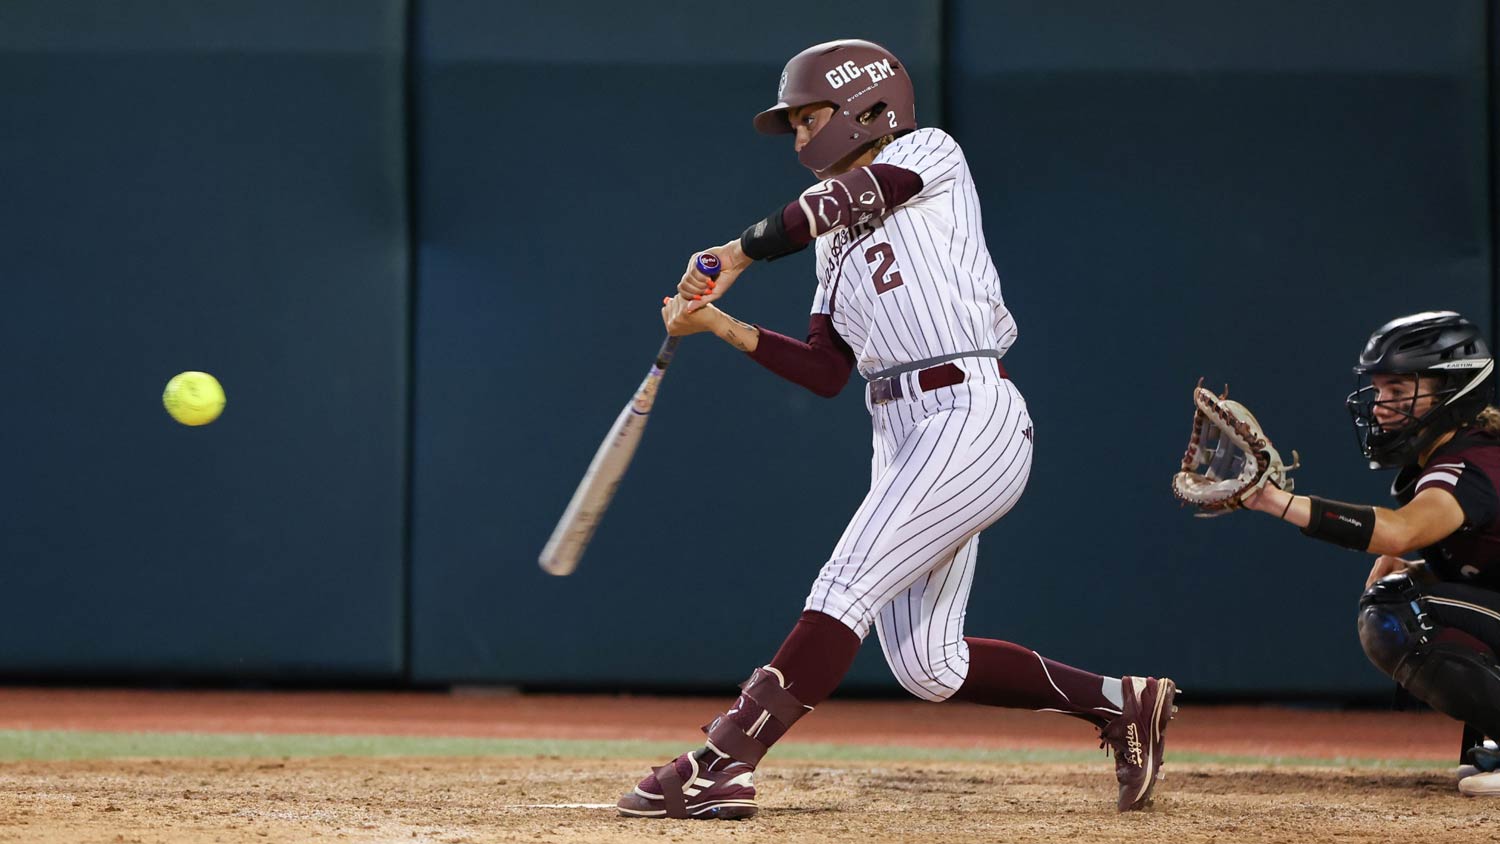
[[1439, 640], [908, 558], [908, 455], [953, 471], [715, 781], [946, 484], [921, 634], [940, 474], [921, 631]]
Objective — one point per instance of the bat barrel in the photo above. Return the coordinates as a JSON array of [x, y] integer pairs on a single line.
[[576, 527]]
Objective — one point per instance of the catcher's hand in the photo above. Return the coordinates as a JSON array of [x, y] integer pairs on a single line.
[[1228, 459]]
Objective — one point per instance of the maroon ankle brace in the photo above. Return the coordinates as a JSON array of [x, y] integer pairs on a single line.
[[763, 713], [808, 667]]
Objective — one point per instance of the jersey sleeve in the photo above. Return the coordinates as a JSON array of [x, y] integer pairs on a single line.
[[822, 364], [1469, 486], [930, 153]]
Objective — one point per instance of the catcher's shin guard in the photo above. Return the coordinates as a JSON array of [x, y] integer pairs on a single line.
[[763, 713], [1401, 641]]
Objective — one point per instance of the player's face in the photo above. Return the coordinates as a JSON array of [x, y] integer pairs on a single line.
[[1400, 397], [808, 121]]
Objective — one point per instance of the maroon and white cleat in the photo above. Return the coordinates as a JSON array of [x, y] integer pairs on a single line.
[[721, 789], [1137, 737]]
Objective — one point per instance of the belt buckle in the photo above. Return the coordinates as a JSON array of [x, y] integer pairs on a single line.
[[885, 389]]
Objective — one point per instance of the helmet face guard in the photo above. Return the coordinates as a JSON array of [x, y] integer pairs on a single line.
[[1406, 432], [867, 86], [1450, 369]]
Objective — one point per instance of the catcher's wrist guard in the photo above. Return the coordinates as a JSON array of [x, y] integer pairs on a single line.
[[1228, 459], [1349, 525]]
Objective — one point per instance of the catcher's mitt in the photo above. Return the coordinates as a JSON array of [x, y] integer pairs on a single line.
[[1228, 459]]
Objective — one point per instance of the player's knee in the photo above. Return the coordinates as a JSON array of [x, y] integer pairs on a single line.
[[1388, 625], [1384, 636], [923, 682], [923, 687]]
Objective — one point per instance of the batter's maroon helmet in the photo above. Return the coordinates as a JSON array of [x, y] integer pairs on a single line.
[[862, 80]]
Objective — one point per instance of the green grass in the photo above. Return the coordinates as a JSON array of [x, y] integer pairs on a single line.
[[70, 744]]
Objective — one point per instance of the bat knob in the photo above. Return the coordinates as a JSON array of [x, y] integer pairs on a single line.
[[708, 264]]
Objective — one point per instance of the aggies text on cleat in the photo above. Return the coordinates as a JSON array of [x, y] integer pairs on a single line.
[[1137, 737]]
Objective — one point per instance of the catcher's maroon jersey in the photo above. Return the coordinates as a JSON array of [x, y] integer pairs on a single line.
[[1468, 467]]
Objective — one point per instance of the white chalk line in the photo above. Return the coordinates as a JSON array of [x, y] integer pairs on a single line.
[[560, 806]]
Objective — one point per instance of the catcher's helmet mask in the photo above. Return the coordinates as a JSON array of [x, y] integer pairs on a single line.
[[1442, 352]]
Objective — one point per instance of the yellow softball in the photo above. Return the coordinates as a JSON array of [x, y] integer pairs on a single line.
[[194, 398]]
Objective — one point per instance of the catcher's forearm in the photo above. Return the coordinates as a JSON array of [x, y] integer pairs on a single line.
[[1391, 535], [1284, 505], [1359, 527]]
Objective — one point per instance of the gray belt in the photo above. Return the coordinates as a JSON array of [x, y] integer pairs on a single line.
[[929, 376], [923, 364]]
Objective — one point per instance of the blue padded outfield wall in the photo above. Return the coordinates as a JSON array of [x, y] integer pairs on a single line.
[[424, 243], [217, 187], [1168, 194], [570, 164]]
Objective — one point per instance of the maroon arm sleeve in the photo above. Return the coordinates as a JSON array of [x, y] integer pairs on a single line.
[[822, 364], [897, 185]]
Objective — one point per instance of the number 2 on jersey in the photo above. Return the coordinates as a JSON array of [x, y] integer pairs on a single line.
[[885, 275]]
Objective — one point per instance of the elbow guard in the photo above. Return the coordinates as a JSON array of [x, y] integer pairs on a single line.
[[846, 200], [1348, 525]]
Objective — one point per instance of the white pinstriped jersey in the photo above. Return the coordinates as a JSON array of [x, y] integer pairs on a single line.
[[918, 283], [949, 461]]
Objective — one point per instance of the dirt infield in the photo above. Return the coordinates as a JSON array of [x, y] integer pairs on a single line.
[[458, 801], [551, 798]]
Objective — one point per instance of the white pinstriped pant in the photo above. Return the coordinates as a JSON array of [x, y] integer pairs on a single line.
[[947, 464]]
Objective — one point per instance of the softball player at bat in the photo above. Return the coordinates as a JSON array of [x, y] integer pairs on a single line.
[[1433, 625], [908, 295]]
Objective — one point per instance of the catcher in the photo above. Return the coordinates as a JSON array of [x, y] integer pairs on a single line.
[[1422, 406]]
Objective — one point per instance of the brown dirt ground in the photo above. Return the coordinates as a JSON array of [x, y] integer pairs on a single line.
[[458, 801], [174, 801]]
